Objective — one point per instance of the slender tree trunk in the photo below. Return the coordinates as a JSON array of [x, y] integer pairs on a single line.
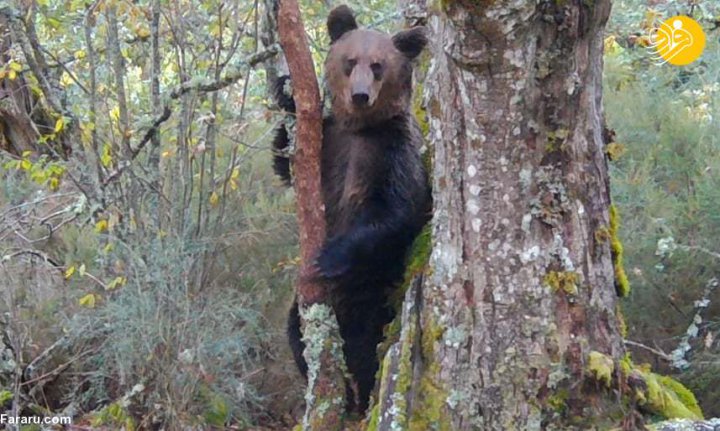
[[520, 305], [325, 395]]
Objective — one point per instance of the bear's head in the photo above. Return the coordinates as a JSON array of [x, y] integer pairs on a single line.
[[369, 73]]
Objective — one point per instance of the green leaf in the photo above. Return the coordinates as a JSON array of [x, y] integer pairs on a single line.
[[5, 396]]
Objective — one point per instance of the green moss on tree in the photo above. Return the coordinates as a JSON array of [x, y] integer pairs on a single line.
[[669, 398], [622, 325], [614, 151], [661, 395], [601, 366], [373, 418], [419, 255], [562, 281], [558, 400], [602, 235], [556, 140], [417, 264], [428, 412], [622, 285]]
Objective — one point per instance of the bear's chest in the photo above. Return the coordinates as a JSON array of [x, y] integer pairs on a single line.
[[354, 168]]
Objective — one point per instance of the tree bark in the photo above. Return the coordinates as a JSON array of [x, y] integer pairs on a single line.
[[519, 306], [325, 394]]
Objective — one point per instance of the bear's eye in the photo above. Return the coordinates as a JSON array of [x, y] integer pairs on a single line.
[[377, 70], [349, 65]]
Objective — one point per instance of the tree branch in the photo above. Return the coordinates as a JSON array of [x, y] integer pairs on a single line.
[[186, 87]]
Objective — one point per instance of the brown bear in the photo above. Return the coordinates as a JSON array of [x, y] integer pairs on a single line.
[[374, 185]]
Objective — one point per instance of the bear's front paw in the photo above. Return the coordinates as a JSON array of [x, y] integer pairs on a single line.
[[334, 259]]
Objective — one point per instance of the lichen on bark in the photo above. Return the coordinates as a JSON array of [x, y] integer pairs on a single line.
[[323, 348]]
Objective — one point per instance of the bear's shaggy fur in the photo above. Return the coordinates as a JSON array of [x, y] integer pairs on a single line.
[[374, 185]]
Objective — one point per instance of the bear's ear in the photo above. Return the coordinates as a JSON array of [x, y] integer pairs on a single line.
[[410, 42], [340, 21]]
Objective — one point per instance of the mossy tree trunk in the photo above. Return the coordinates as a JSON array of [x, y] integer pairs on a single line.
[[514, 326]]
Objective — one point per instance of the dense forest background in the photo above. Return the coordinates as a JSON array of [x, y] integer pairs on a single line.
[[147, 252]]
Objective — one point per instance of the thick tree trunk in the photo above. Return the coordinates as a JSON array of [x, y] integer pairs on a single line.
[[515, 327]]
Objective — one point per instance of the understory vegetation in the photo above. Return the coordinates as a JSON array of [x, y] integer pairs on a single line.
[[666, 186]]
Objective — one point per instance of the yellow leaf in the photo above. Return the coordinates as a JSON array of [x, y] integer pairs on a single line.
[[25, 165], [39, 176], [69, 272], [142, 32], [26, 154], [101, 226], [612, 48], [235, 174], [166, 154], [14, 65], [59, 124], [117, 282], [12, 75], [54, 184], [108, 248], [233, 184], [115, 113], [81, 270], [79, 54], [214, 199], [87, 301], [106, 157], [53, 22], [65, 79], [215, 29], [644, 41]]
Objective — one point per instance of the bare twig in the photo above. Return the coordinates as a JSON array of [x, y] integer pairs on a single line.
[[657, 352], [118, 66], [36, 253], [88, 25], [154, 158]]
